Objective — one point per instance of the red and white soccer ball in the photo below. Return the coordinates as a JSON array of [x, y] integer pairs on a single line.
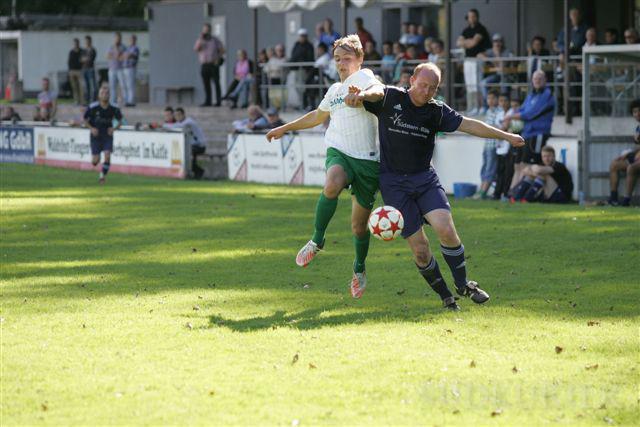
[[386, 223]]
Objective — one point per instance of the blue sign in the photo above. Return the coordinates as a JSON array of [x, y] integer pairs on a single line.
[[16, 144]]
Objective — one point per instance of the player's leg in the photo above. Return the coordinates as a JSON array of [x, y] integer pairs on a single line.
[[550, 187], [633, 170], [453, 253], [535, 193], [361, 239], [616, 166], [106, 164], [336, 180]]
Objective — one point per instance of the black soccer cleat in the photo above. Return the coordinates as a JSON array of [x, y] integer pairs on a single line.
[[450, 304], [472, 291]]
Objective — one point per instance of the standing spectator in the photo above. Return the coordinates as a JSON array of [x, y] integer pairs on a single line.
[[474, 40], [319, 31], [548, 182], [364, 35], [628, 162], [489, 159], [591, 37], [261, 79], [388, 62], [437, 51], [242, 80], [329, 36], [211, 56], [130, 63], [47, 102], [578, 34], [610, 36], [303, 52], [274, 68], [537, 114], [116, 75], [536, 50], [88, 59], [404, 36], [75, 71], [415, 38], [370, 52], [495, 69], [195, 138], [503, 149]]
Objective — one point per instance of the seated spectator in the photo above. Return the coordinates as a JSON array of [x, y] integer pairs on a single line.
[[413, 54], [631, 36], [537, 114], [400, 53], [11, 115], [364, 35], [255, 118], [591, 37], [489, 160], [414, 38], [47, 102], [325, 64], [404, 34], [194, 136], [536, 50], [169, 117], [422, 32], [495, 70], [388, 62], [610, 36], [239, 88], [628, 162], [437, 51], [426, 46], [370, 52], [549, 182], [622, 80], [273, 120], [329, 36]]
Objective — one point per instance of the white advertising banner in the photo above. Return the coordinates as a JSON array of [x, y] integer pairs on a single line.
[[237, 157], [264, 160], [293, 165], [314, 155], [140, 153]]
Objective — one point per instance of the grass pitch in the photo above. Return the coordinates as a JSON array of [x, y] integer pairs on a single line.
[[151, 301]]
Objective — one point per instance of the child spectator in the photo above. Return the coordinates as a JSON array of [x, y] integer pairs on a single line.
[[388, 62], [502, 153], [514, 126], [488, 170]]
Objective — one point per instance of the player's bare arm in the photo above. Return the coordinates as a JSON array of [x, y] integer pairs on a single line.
[[356, 96], [309, 120], [483, 130]]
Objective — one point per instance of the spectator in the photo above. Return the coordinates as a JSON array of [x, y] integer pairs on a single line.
[[537, 114], [195, 138], [88, 59], [404, 37], [578, 34], [319, 31], [495, 69], [388, 62], [11, 115], [404, 81], [116, 75], [242, 79], [169, 117], [610, 36], [255, 118], [414, 38], [329, 36], [623, 77], [489, 159], [503, 149], [364, 35], [628, 162], [370, 52], [631, 36], [211, 56], [75, 71], [426, 46], [474, 40], [413, 54], [548, 182], [47, 103], [303, 52], [273, 120], [513, 126], [261, 78], [422, 32], [130, 65], [400, 53], [590, 37], [324, 63], [274, 68], [77, 119], [536, 50], [437, 51]]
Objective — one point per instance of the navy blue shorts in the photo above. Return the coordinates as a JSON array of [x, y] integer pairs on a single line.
[[557, 196], [414, 196], [99, 145]]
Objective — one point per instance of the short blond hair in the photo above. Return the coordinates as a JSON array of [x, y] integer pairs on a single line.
[[350, 43], [427, 66]]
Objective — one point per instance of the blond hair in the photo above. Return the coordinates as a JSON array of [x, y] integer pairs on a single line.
[[350, 43]]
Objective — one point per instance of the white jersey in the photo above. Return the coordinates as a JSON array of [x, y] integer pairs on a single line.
[[353, 131]]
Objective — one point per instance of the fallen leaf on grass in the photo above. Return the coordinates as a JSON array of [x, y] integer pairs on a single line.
[[312, 366], [196, 308], [399, 292], [306, 286], [515, 370], [295, 359], [472, 364], [593, 323], [199, 296], [295, 423], [449, 331], [591, 367], [44, 406], [496, 412], [456, 411], [212, 393], [189, 325], [608, 420], [603, 406], [583, 348], [194, 250], [559, 349]]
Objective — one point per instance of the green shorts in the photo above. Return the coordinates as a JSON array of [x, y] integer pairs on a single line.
[[362, 175]]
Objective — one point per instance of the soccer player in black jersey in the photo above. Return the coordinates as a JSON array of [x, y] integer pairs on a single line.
[[408, 121], [99, 118]]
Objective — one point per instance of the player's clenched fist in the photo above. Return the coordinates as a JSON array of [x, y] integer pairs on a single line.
[[516, 140], [276, 133], [353, 99]]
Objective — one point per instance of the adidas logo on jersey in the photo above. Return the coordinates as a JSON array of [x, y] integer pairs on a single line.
[[397, 107]]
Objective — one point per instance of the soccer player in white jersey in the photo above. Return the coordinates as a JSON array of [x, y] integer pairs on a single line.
[[352, 156]]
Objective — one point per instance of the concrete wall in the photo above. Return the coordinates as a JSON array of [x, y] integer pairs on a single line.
[[42, 53]]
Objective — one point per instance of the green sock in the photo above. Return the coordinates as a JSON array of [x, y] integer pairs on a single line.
[[324, 212], [362, 248]]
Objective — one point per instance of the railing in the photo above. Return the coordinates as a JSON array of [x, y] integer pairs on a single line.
[[294, 83]]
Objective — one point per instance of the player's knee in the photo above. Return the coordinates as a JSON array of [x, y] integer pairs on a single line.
[[448, 235], [633, 168], [332, 188], [358, 229], [94, 162], [422, 255]]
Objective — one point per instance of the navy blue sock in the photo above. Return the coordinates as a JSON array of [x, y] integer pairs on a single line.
[[105, 167], [455, 259], [433, 276], [522, 188], [534, 191]]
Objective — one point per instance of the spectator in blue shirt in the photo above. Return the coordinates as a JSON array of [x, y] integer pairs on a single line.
[[578, 34], [329, 35], [130, 63], [537, 114]]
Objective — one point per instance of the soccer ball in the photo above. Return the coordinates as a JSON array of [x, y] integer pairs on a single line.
[[385, 223]]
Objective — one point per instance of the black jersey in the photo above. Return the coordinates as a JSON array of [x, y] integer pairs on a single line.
[[102, 118], [562, 176]]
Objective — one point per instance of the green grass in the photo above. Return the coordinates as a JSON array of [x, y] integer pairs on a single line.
[[154, 301]]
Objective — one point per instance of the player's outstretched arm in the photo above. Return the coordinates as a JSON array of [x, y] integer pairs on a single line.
[[483, 130], [356, 96], [309, 120]]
